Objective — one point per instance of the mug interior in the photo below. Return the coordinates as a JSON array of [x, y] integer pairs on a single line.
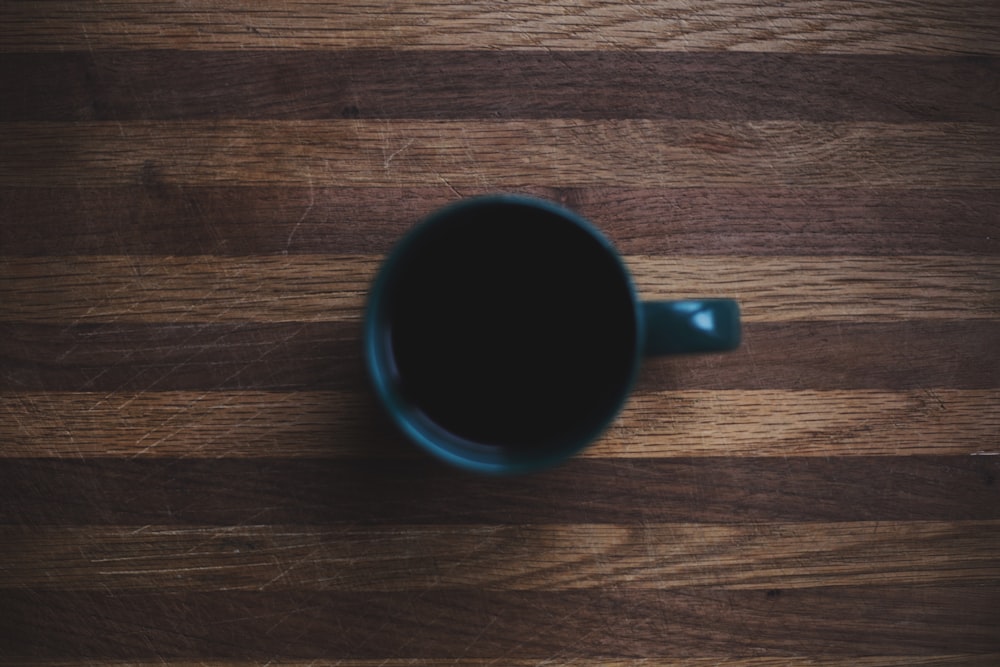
[[502, 333]]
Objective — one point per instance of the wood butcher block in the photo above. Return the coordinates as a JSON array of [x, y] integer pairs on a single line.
[[195, 195]]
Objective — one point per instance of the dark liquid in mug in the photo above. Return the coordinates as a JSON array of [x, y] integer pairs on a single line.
[[512, 327]]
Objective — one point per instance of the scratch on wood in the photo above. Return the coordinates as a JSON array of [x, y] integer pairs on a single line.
[[393, 155], [305, 214]]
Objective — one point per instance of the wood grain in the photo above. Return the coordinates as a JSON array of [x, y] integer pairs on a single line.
[[329, 424], [194, 197], [750, 221], [117, 357], [386, 490], [550, 558], [324, 288], [394, 84], [800, 26], [964, 659], [460, 154], [847, 621]]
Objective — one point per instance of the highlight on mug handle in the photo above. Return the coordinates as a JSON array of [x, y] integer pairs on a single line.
[[690, 326]]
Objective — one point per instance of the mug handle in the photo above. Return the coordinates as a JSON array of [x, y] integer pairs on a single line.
[[684, 327]]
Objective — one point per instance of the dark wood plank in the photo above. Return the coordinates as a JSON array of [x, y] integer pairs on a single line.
[[301, 491], [176, 220], [164, 357], [850, 355], [560, 626], [300, 84], [909, 354]]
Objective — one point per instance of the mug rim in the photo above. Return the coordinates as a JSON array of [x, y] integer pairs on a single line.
[[421, 429]]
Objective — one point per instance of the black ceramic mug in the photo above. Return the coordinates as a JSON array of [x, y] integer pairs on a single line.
[[503, 333]]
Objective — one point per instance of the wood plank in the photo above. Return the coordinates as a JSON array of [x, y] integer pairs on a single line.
[[307, 85], [404, 491], [113, 357], [663, 424], [803, 26], [845, 621], [321, 288], [184, 220], [194, 195], [313, 288], [460, 154], [551, 557], [961, 659], [318, 355], [805, 423], [241, 424]]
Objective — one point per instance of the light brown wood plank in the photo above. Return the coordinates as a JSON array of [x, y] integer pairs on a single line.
[[501, 154], [249, 424], [801, 26], [185, 289], [544, 557], [805, 423], [310, 288]]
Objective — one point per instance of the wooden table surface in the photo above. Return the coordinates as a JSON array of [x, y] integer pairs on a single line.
[[194, 195]]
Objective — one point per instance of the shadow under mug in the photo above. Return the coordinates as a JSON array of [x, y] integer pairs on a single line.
[[503, 333]]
